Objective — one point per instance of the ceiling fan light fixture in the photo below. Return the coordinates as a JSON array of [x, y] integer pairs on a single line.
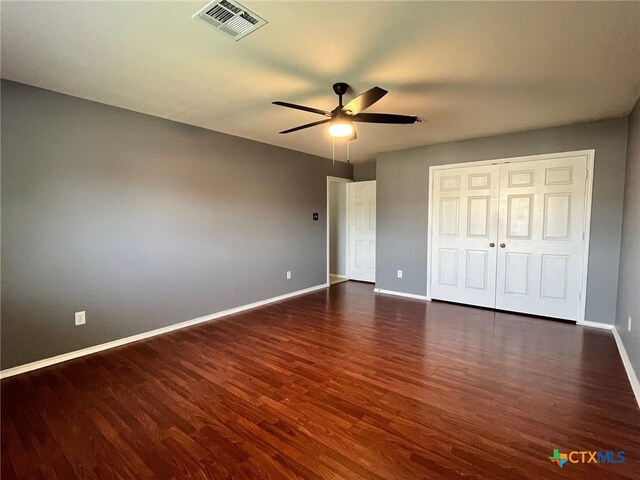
[[341, 128], [342, 118]]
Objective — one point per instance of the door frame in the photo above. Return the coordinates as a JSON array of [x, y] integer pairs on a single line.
[[328, 215], [528, 158]]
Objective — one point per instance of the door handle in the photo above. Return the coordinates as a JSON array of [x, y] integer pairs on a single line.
[[502, 245], [492, 244]]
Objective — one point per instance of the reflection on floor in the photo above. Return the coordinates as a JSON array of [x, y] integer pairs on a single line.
[[333, 279]]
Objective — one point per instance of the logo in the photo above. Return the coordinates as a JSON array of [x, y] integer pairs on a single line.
[[586, 456], [559, 458]]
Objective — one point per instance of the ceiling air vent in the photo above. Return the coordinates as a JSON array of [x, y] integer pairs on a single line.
[[230, 18]]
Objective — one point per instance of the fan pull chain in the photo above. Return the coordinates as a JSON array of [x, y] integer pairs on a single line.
[[333, 142], [333, 151]]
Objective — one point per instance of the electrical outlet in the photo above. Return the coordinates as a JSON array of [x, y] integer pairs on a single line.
[[288, 274], [629, 324], [81, 318], [399, 273]]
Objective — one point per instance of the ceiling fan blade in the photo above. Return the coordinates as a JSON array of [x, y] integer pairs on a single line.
[[303, 108], [384, 118], [301, 127], [364, 100]]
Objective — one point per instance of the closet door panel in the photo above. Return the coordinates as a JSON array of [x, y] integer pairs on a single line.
[[541, 226], [464, 226]]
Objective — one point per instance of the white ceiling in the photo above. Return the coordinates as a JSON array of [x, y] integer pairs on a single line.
[[469, 69]]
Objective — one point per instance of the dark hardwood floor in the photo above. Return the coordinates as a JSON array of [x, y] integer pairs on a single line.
[[340, 383]]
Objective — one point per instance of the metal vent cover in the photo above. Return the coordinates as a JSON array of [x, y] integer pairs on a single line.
[[230, 18]]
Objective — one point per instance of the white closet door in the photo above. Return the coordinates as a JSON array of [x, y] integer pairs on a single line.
[[464, 217], [362, 231], [541, 228]]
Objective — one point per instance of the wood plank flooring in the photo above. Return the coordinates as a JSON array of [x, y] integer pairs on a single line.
[[337, 384]]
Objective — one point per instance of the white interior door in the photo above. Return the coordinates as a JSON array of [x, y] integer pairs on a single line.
[[511, 236], [541, 235], [362, 231], [464, 231]]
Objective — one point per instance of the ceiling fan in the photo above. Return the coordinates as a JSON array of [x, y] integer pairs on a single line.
[[343, 116]]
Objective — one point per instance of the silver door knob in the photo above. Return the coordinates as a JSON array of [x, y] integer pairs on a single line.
[[502, 245], [492, 244]]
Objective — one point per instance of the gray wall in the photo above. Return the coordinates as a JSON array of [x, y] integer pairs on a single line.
[[402, 198], [629, 280], [142, 222], [363, 172], [338, 228]]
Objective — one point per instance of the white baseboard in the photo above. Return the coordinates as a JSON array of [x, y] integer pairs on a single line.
[[633, 378], [402, 294], [603, 326], [9, 372]]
